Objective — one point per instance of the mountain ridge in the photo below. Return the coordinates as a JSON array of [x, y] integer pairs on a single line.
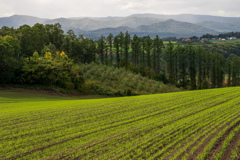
[[163, 29], [18, 20], [183, 25]]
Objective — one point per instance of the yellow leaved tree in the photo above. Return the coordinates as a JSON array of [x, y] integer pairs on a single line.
[[52, 70]]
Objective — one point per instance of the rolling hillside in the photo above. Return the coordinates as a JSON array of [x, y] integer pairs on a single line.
[[163, 29], [176, 27], [185, 125], [221, 27], [87, 24]]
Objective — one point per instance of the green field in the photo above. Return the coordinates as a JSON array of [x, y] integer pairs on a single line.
[[166, 42], [224, 41], [183, 125]]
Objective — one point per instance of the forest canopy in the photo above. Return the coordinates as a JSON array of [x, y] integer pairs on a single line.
[[44, 55]]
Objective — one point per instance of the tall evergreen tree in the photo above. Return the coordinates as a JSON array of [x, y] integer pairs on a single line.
[[235, 70], [220, 70], [176, 55], [110, 40], [142, 57], [200, 55], [214, 69], [135, 50], [148, 47], [101, 47], [88, 47], [127, 41], [208, 64], [170, 61], [121, 43], [117, 46], [158, 45], [217, 70], [182, 65], [229, 70], [192, 65]]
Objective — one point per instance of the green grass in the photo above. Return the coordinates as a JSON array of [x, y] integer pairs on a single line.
[[166, 42], [192, 124]]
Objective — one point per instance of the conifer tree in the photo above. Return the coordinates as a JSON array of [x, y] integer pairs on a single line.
[[110, 40], [170, 63], [127, 41], [235, 69], [182, 65], [142, 57], [121, 43], [148, 47], [101, 47], [157, 51], [200, 55], [192, 65], [135, 50], [229, 70], [176, 55], [117, 46]]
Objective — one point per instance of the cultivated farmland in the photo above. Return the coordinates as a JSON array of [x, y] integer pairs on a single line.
[[185, 125]]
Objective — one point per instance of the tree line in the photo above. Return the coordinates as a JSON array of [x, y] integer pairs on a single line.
[[183, 65], [222, 35]]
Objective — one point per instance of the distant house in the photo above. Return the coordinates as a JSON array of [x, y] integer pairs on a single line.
[[223, 39], [232, 38], [186, 39]]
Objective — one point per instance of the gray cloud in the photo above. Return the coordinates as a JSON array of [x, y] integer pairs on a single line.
[[100, 8]]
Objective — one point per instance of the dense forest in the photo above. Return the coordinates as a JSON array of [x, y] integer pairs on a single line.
[[44, 55]]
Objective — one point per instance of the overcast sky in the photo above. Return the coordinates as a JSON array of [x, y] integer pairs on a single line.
[[102, 8]]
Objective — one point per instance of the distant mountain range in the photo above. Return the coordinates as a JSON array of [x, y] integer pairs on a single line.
[[184, 25]]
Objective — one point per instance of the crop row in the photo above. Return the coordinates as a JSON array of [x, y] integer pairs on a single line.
[[191, 125]]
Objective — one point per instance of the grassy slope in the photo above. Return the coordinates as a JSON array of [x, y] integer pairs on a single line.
[[122, 80], [174, 125]]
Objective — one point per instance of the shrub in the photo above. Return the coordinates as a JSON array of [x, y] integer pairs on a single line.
[[205, 85], [147, 87], [91, 87], [155, 87], [127, 92], [125, 83], [140, 86], [133, 84], [51, 70]]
